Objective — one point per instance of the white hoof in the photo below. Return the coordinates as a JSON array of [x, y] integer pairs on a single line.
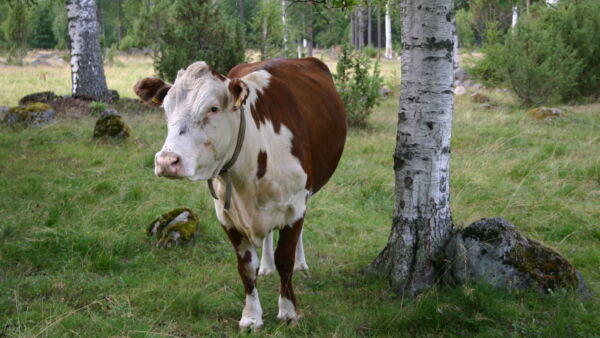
[[251, 323], [287, 311], [300, 266], [265, 270]]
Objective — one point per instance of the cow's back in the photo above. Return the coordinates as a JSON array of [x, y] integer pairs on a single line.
[[302, 97]]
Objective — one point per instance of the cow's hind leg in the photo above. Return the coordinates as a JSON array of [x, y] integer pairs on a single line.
[[284, 261], [267, 260], [247, 259], [300, 261]]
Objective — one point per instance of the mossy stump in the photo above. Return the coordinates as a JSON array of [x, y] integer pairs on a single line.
[[176, 227], [491, 250], [34, 114], [111, 126]]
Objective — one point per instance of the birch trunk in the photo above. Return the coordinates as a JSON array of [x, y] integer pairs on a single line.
[[388, 33], [360, 30], [422, 222], [285, 28], [515, 18], [369, 24], [87, 70], [309, 28], [378, 29], [242, 16]]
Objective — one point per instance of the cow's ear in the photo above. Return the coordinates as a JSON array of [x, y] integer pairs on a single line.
[[152, 90], [239, 91]]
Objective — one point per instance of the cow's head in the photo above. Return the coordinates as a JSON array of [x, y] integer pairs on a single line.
[[202, 111]]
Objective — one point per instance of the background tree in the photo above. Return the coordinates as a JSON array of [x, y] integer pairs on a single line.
[[195, 32], [422, 221], [15, 32], [87, 70], [42, 35], [267, 28], [388, 32]]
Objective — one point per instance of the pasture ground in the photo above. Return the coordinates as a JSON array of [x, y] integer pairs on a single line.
[[75, 261]]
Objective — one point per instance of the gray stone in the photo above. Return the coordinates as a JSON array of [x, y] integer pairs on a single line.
[[491, 250], [3, 111], [468, 83], [488, 106], [460, 90], [44, 56], [36, 114], [39, 62], [109, 112], [477, 87], [384, 92], [460, 74], [44, 97]]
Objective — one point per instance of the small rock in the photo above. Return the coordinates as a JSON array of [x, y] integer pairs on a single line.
[[44, 56], [479, 98], [542, 113], [3, 111], [460, 74], [493, 251], [477, 87], [176, 227], [468, 83], [114, 95], [34, 114], [111, 126], [457, 83], [44, 97], [384, 92], [109, 112], [39, 62], [488, 106], [460, 90]]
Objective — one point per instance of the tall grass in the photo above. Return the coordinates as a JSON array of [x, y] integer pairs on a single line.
[[74, 259]]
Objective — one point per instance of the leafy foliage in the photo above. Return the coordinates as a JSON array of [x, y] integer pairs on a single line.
[[42, 35], [15, 32], [196, 31], [358, 89]]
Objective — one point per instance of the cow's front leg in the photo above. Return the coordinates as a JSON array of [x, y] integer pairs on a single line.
[[284, 260], [248, 268], [267, 260]]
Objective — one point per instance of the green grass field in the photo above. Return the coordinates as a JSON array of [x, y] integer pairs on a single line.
[[75, 261]]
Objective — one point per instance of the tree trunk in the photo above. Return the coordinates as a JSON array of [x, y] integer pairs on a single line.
[[242, 16], [369, 38], [515, 18], [388, 33], [285, 28], [264, 36], [309, 28], [120, 18], [422, 222], [361, 27], [352, 30], [87, 70], [378, 30]]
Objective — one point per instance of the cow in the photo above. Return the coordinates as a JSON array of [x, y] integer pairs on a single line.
[[266, 137]]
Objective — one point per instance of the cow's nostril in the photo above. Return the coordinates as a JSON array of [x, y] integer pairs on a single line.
[[175, 161]]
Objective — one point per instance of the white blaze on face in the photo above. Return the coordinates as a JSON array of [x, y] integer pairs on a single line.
[[201, 138]]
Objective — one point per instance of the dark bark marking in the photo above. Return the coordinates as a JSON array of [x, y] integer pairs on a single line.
[[408, 182]]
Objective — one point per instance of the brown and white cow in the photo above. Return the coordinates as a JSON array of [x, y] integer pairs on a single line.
[[279, 128]]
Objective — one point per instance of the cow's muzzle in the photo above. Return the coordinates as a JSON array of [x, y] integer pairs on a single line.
[[167, 164]]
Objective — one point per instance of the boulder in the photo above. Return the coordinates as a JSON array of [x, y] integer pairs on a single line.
[[460, 74], [542, 113], [114, 95], [491, 250], [3, 111], [110, 125], [34, 114], [460, 90], [176, 227], [479, 98], [40, 62], [44, 97]]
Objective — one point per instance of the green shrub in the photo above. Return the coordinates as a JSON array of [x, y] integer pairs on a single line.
[[370, 52], [358, 89], [464, 30], [96, 108], [538, 66], [197, 32]]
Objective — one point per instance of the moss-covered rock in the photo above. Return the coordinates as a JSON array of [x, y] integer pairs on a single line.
[[543, 113], [44, 97], [34, 114], [111, 126], [176, 227], [491, 250]]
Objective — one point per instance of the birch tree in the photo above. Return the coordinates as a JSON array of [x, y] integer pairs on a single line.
[[309, 28], [388, 32], [422, 222], [87, 70]]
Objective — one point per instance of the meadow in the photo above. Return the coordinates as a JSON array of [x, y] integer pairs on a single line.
[[75, 261]]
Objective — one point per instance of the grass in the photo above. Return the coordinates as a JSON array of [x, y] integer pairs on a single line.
[[74, 259]]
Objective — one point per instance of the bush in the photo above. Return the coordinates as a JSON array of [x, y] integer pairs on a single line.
[[358, 90], [197, 32], [538, 66], [464, 30], [369, 51]]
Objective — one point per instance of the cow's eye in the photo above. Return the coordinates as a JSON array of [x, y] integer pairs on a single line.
[[214, 109]]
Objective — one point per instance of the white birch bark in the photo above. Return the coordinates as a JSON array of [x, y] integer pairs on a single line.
[[551, 3], [388, 33], [422, 221], [515, 18], [285, 28], [87, 70]]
